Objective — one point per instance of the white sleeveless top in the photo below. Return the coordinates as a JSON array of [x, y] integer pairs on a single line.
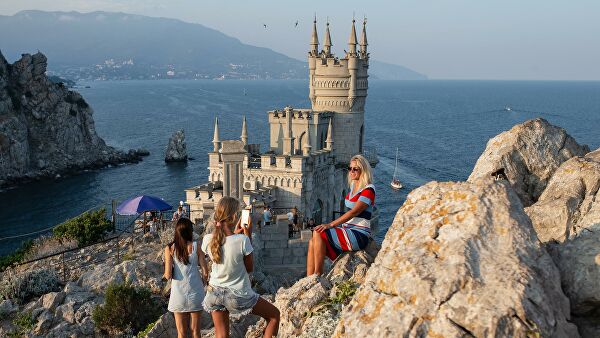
[[187, 290]]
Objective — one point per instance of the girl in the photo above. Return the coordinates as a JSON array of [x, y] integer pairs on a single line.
[[187, 290], [352, 230], [229, 290]]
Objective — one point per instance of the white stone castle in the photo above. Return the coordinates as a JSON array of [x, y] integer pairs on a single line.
[[306, 163]]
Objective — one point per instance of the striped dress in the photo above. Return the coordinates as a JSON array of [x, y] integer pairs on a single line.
[[354, 234]]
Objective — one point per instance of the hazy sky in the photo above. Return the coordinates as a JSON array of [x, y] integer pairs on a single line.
[[450, 39]]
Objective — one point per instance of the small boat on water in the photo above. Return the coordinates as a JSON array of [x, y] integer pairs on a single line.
[[396, 184], [508, 108]]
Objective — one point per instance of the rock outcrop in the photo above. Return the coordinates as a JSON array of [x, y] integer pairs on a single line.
[[567, 218], [306, 307], [45, 128], [176, 149], [460, 259], [571, 202], [527, 155]]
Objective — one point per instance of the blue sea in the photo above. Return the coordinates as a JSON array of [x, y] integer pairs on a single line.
[[440, 128]]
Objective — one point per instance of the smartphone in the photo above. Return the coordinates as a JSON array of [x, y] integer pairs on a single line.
[[245, 218]]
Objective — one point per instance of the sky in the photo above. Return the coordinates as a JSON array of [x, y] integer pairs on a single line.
[[443, 39]]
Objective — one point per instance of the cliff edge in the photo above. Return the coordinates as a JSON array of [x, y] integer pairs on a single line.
[[45, 128]]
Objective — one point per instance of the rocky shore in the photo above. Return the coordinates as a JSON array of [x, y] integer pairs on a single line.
[[46, 129], [510, 256]]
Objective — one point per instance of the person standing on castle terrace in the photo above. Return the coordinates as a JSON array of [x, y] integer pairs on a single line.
[[229, 291], [352, 230], [182, 258]]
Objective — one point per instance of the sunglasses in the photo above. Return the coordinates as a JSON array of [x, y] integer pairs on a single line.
[[354, 169]]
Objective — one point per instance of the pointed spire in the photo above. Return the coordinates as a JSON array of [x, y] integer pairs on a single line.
[[306, 146], [352, 41], [216, 139], [314, 41], [329, 140], [327, 45], [244, 136], [363, 38]]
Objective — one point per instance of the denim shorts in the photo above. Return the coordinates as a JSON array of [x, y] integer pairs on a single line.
[[224, 299]]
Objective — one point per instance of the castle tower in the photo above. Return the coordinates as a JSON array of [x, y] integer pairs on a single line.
[[340, 86], [244, 136]]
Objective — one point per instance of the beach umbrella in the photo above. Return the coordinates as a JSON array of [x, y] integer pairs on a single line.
[[139, 204]]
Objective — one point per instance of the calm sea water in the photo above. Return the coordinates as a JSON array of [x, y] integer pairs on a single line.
[[440, 128]]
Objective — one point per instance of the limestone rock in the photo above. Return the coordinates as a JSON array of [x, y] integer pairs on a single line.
[[164, 327], [84, 311], [578, 260], [460, 259], [66, 311], [53, 299], [571, 202], [46, 129], [44, 322], [87, 327], [528, 153], [297, 300], [138, 272], [176, 149]]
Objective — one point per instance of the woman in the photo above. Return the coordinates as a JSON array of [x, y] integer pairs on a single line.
[[179, 214], [187, 290], [352, 230], [229, 291]]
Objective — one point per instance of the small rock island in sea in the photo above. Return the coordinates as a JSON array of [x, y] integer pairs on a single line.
[[45, 128], [176, 148]]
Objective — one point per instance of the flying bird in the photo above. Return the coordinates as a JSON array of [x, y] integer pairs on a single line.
[[264, 24], [296, 25]]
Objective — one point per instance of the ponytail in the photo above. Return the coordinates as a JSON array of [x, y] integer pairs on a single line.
[[225, 215]]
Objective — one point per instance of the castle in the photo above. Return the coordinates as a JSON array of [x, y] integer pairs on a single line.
[[306, 163]]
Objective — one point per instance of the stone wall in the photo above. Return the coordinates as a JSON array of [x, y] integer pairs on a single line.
[[279, 251]]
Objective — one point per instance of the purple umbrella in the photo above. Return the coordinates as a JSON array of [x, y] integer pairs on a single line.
[[137, 205]]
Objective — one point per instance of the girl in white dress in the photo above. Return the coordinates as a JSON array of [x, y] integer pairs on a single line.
[[182, 258]]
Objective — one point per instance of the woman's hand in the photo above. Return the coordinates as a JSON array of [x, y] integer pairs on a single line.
[[323, 227]]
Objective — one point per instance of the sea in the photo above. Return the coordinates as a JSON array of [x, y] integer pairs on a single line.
[[440, 128]]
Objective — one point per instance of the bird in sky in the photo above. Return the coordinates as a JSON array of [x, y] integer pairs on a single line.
[[264, 24], [296, 24]]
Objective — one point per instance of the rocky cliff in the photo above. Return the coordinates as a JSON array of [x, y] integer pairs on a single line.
[[46, 129]]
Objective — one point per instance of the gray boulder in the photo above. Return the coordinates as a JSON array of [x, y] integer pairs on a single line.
[[571, 202], [527, 155], [460, 259], [176, 149]]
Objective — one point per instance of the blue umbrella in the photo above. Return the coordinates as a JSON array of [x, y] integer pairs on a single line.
[[137, 205]]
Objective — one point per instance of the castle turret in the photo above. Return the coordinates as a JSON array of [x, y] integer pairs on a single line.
[[314, 41], [306, 147], [327, 45], [244, 136], [363, 40], [329, 140], [352, 41], [216, 139], [340, 86]]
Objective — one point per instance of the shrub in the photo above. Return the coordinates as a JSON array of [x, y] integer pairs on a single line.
[[126, 307], [344, 292], [24, 286], [87, 228], [17, 256], [143, 334], [24, 323]]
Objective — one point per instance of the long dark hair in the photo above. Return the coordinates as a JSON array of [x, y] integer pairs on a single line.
[[183, 235]]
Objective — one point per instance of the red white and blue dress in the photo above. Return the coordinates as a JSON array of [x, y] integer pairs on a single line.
[[354, 234]]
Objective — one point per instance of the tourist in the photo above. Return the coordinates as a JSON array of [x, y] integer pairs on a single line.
[[179, 214], [290, 218], [311, 224], [295, 219], [229, 292], [267, 215], [182, 258], [351, 231]]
